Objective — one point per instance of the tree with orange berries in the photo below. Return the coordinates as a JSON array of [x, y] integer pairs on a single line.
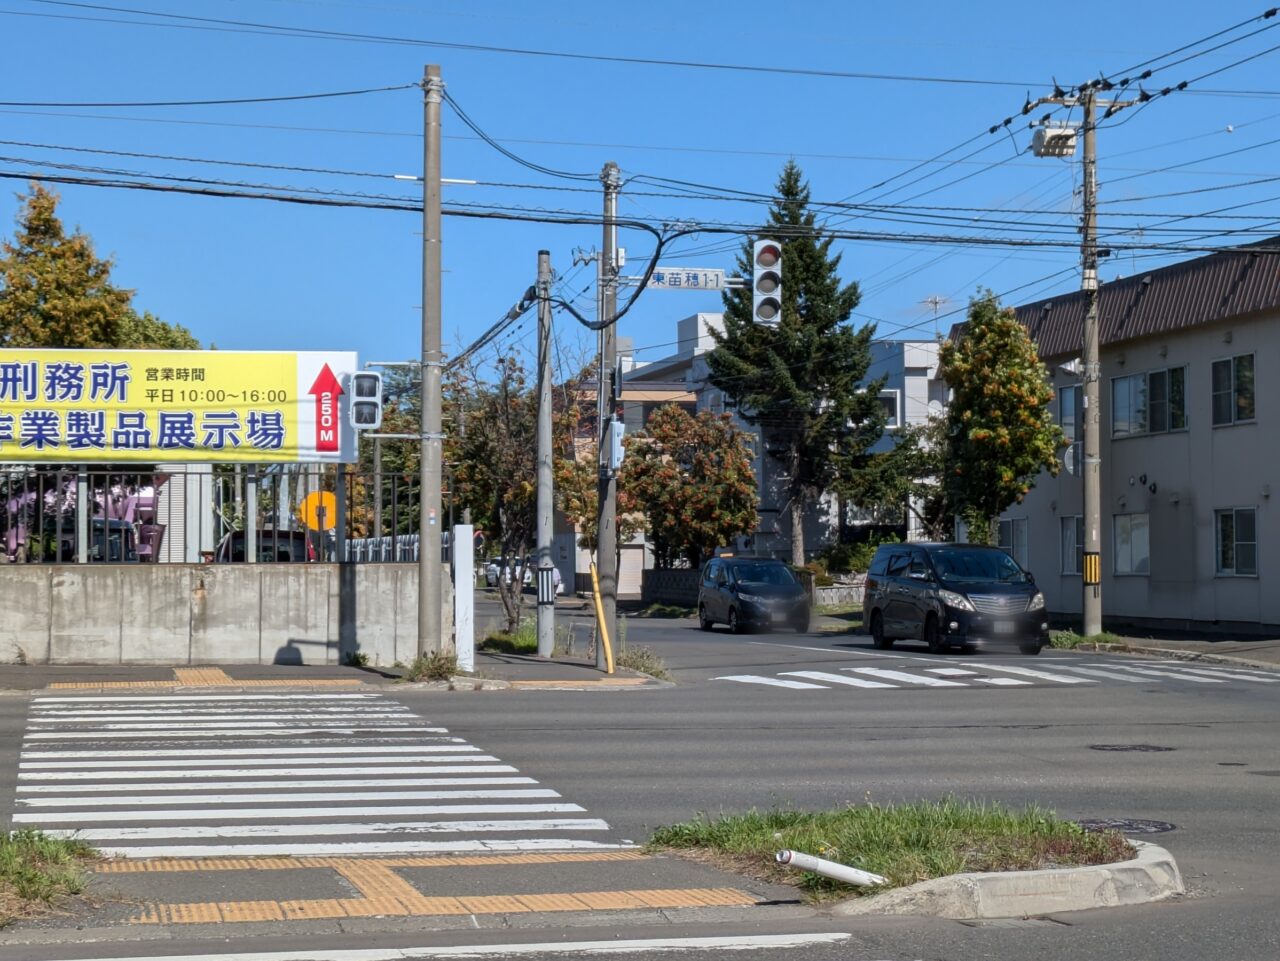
[[1000, 434]]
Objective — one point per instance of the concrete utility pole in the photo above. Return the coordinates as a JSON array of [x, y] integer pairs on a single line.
[[430, 595], [1092, 574], [546, 579], [606, 526], [1059, 141]]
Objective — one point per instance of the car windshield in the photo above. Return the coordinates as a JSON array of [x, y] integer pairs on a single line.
[[972, 566], [777, 574]]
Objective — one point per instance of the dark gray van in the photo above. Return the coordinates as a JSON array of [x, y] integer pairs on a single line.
[[952, 595]]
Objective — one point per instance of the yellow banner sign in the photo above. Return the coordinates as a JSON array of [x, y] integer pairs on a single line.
[[87, 406]]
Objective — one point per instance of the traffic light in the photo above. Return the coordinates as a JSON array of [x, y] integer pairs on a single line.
[[366, 401], [766, 282]]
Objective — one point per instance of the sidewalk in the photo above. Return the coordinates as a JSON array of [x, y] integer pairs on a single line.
[[493, 672]]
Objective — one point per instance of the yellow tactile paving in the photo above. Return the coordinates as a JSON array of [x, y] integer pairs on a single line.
[[86, 685], [250, 911], [424, 906], [552, 902], [318, 908], [424, 861], [202, 676]]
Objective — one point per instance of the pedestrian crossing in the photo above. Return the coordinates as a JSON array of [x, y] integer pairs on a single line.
[[201, 775], [975, 674]]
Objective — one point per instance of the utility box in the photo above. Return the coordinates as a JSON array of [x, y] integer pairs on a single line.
[[1054, 141]]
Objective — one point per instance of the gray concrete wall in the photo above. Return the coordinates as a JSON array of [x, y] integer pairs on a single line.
[[212, 614]]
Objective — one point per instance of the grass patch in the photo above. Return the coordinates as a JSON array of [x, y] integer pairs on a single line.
[[523, 641], [905, 843], [1069, 640], [439, 666], [644, 660], [666, 610], [36, 870]]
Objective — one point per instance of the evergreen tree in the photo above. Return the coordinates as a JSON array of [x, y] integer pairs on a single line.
[[55, 292], [799, 381], [1000, 433]]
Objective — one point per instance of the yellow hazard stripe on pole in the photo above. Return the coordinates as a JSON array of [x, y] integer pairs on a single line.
[[603, 628], [1093, 568]]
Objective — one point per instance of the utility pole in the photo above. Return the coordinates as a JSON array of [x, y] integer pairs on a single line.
[[607, 490], [546, 579], [1059, 141], [1092, 575], [430, 594]]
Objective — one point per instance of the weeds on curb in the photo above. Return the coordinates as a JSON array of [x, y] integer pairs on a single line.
[[905, 843], [1069, 640], [35, 870], [439, 666]]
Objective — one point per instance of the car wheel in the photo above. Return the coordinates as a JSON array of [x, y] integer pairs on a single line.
[[735, 626], [933, 637], [704, 622], [877, 632], [1031, 650], [801, 625]]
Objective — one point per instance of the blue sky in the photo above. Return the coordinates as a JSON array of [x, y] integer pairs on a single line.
[[252, 274]]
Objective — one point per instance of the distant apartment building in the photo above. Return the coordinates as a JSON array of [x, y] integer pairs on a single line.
[[1189, 467], [911, 393]]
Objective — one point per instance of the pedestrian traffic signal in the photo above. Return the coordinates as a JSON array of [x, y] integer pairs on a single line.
[[366, 401], [766, 282]]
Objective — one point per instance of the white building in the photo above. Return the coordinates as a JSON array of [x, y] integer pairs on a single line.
[[1188, 463]]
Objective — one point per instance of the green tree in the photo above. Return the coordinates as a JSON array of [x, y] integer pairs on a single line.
[[692, 481], [799, 381], [55, 292], [1000, 434]]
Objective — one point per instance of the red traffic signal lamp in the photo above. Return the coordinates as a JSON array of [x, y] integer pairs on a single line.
[[766, 282]]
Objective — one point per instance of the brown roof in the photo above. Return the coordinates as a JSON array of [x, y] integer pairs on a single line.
[[1233, 283]]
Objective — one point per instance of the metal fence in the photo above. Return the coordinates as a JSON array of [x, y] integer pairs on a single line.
[[209, 514]]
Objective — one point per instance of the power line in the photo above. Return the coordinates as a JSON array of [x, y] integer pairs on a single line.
[[315, 34], [207, 103]]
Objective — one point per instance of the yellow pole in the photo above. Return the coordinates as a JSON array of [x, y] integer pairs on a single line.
[[604, 631]]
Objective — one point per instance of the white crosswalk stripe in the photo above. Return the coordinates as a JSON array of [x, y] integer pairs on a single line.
[[771, 682], [975, 674], [269, 774], [1154, 672], [1030, 672], [903, 677], [836, 679]]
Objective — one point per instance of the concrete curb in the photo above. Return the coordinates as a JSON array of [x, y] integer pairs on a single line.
[[1181, 655], [1151, 876]]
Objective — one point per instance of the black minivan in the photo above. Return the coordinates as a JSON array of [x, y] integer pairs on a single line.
[[748, 593], [953, 595]]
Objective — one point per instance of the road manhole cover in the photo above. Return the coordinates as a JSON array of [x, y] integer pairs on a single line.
[[1126, 825], [1142, 748]]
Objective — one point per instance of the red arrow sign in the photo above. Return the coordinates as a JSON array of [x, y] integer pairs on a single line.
[[327, 390]]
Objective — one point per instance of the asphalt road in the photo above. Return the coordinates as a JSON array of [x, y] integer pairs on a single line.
[[1207, 763]]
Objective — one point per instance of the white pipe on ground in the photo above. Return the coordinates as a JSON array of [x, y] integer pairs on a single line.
[[830, 869]]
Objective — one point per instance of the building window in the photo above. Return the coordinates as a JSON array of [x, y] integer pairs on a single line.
[[1072, 543], [1132, 544], [889, 401], [1237, 542], [1149, 403], [1013, 539], [1070, 401], [1233, 390]]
